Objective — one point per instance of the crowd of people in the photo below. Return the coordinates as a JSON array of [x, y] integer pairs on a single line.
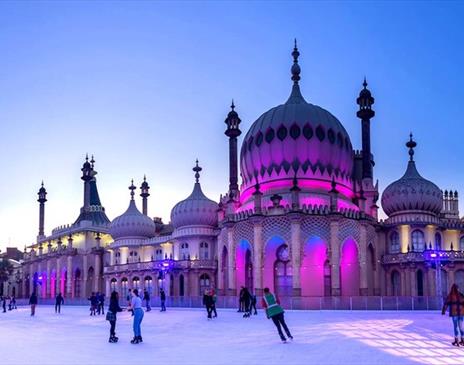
[[11, 302], [97, 303]]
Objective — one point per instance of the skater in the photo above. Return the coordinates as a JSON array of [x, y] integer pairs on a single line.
[[213, 294], [33, 303], [136, 307], [455, 303], [241, 299], [93, 304], [146, 299], [246, 303], [59, 300], [163, 300], [13, 302], [208, 302], [253, 304], [275, 312], [111, 315], [129, 298], [101, 303], [3, 298]]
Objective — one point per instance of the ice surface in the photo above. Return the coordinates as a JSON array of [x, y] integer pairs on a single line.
[[185, 336]]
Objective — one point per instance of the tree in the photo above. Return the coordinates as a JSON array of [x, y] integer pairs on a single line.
[[6, 269]]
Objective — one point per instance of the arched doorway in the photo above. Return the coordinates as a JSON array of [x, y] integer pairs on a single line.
[[53, 284], [312, 271], [90, 278], [204, 283], [271, 249], [77, 284], [349, 269], [64, 282], [244, 265], [136, 283], [283, 272], [420, 283], [327, 279], [114, 285], [181, 285], [124, 288], [225, 270], [149, 284], [371, 269], [396, 283]]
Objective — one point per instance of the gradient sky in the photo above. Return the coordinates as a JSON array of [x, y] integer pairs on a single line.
[[146, 86]]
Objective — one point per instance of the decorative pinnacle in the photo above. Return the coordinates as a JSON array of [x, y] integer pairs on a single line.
[[197, 170], [232, 106], [132, 188], [411, 144], [295, 68], [144, 178], [92, 161], [86, 157], [365, 83], [42, 184]]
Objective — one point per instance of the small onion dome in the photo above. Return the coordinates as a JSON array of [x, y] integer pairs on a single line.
[[412, 191], [197, 209], [132, 223]]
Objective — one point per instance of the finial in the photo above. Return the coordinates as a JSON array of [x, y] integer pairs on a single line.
[[232, 106], [197, 170], [92, 161], [296, 68], [144, 177], [86, 157], [411, 144], [132, 188], [42, 184], [365, 83]]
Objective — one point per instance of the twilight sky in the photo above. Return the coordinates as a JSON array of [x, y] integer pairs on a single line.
[[146, 86]]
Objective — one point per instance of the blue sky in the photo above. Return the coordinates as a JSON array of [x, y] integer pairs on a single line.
[[145, 86]]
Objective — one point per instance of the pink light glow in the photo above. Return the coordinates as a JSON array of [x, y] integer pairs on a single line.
[[349, 269], [240, 263], [270, 257], [343, 204], [312, 267], [314, 201]]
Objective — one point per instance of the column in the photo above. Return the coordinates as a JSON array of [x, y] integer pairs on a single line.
[[335, 258], [48, 293], [296, 254], [97, 267], [40, 289], [69, 268], [220, 276], [404, 287], [412, 277], [84, 277], [231, 261], [258, 256], [31, 279], [363, 286], [107, 287]]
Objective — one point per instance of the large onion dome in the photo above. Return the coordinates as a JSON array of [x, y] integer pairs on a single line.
[[412, 192], [197, 209], [296, 138], [132, 224]]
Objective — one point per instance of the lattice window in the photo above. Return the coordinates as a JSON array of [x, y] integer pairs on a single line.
[[348, 228], [276, 226], [243, 231], [315, 226]]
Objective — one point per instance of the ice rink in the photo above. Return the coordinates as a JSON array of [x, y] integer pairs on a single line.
[[185, 336]]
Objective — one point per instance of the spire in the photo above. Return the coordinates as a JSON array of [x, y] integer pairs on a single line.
[[197, 170], [144, 193], [411, 144], [365, 113], [233, 123], [132, 188], [295, 96]]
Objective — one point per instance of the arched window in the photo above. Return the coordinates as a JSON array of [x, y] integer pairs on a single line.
[[283, 272], [184, 251], [124, 287], [204, 283], [418, 241], [149, 284], [420, 283], [204, 251], [327, 279], [159, 254], [133, 256], [136, 282], [394, 242], [117, 257], [437, 241], [113, 284], [181, 285], [396, 283], [461, 244], [77, 283]]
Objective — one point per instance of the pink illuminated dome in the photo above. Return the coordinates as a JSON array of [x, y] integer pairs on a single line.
[[197, 209], [296, 139], [412, 192], [132, 224]]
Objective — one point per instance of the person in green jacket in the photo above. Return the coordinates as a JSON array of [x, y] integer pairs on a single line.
[[275, 312]]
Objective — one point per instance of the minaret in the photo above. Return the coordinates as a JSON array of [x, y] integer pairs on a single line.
[[233, 131], [87, 175], [365, 113], [42, 199], [132, 189], [144, 188]]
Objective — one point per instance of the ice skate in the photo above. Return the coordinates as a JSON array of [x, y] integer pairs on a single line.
[[456, 342], [140, 338], [135, 340], [461, 343]]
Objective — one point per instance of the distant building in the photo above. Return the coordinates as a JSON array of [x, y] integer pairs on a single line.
[[303, 222]]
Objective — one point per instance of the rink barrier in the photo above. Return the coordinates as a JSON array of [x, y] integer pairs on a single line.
[[390, 303]]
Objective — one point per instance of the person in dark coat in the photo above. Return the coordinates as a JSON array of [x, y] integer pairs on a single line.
[[253, 304], [93, 304], [59, 300], [146, 299], [101, 303], [163, 300], [3, 299], [455, 303], [241, 302], [33, 303], [13, 302], [246, 303], [111, 315], [208, 302]]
